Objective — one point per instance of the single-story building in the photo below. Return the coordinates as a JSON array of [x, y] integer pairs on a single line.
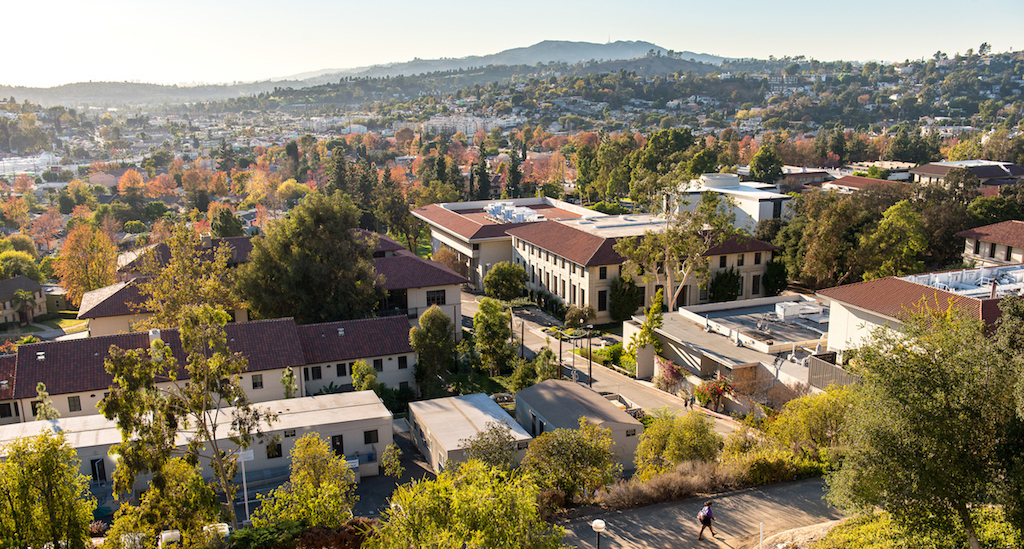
[[441, 426], [559, 404]]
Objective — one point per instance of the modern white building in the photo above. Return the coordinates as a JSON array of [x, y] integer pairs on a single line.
[[754, 201]]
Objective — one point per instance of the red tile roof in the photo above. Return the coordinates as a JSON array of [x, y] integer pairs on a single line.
[[590, 250], [406, 270], [8, 364], [897, 298], [123, 298], [77, 365], [573, 244], [462, 225], [1010, 233], [370, 337]]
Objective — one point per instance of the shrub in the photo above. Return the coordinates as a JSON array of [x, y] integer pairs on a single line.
[[282, 535], [671, 439], [685, 480], [97, 528], [765, 466]]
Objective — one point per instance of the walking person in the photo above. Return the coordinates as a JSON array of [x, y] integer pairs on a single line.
[[706, 517]]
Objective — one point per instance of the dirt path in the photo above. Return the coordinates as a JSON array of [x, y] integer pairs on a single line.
[[781, 507]]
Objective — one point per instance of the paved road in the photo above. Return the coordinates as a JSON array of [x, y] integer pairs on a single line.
[[641, 393], [738, 516]]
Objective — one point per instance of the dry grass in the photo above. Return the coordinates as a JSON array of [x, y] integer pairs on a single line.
[[685, 480]]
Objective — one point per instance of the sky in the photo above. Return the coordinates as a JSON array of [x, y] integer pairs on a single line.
[[223, 41]]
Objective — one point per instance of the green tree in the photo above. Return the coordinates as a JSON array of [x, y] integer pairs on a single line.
[[678, 251], [45, 501], [577, 316], [24, 302], [652, 321], [774, 279], [625, 298], [897, 245], [671, 439], [226, 224], [44, 409], [483, 179], [934, 431], [469, 505], [491, 333], [153, 405], [766, 166], [310, 266], [817, 419], [14, 263], [574, 461], [178, 498], [725, 286], [505, 281], [288, 383], [320, 490], [188, 276], [495, 446], [364, 377], [434, 343], [391, 461]]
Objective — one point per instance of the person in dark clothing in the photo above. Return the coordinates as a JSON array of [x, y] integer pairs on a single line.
[[706, 517]]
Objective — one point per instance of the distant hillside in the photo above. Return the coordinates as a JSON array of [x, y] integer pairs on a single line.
[[631, 55]]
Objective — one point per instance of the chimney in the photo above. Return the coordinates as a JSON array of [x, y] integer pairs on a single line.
[[341, 331], [154, 336]]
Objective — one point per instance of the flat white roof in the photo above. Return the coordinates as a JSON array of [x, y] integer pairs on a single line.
[[453, 419], [617, 226], [976, 283], [96, 430]]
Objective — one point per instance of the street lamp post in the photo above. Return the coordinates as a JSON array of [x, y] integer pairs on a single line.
[[598, 526], [590, 357]]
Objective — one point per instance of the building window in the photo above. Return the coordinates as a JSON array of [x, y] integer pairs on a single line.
[[572, 269], [351, 368], [583, 297], [703, 294], [338, 444], [756, 285], [341, 369], [547, 281], [602, 273], [403, 385], [370, 437], [631, 432], [316, 373], [533, 275], [739, 260], [476, 247], [378, 364], [5, 410], [35, 408], [403, 362], [305, 374], [435, 297], [757, 258], [563, 289], [992, 249], [75, 403], [289, 433], [602, 300], [257, 381], [721, 261], [1009, 252], [274, 450], [977, 247]]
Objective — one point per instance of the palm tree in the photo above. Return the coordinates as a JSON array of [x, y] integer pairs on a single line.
[[24, 302]]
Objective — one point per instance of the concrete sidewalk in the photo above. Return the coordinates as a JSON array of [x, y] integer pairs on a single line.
[[738, 519]]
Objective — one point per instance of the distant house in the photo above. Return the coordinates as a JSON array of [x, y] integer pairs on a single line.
[[989, 172], [110, 178], [559, 404], [855, 183], [994, 245], [441, 426], [9, 312]]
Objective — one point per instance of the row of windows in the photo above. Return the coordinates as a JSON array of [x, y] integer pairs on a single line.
[[530, 249], [740, 260], [337, 443], [342, 369], [1008, 256]]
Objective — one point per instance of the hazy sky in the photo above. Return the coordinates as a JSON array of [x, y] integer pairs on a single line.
[[214, 41]]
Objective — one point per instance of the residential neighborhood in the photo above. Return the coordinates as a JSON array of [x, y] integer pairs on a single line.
[[519, 305]]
